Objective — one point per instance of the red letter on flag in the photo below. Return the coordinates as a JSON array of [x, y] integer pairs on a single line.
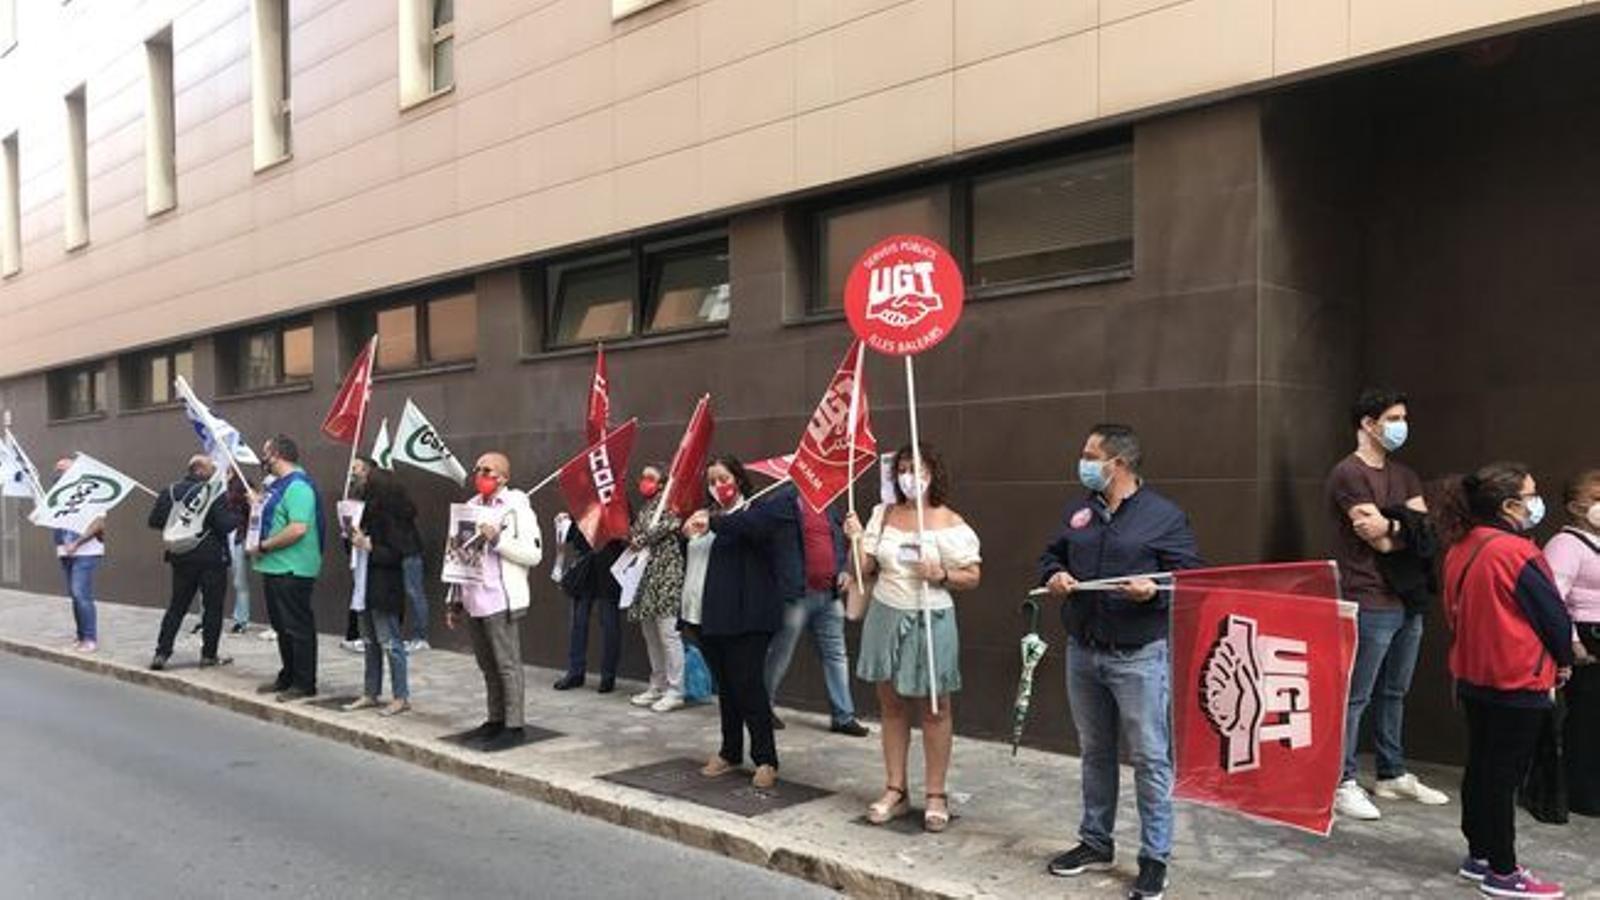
[[821, 467], [592, 483], [599, 415], [343, 423], [686, 479]]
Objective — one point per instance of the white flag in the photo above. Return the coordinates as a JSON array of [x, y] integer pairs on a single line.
[[382, 451], [214, 432], [417, 443], [86, 491], [18, 477]]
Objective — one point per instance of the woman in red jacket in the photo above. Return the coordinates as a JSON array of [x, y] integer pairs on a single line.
[[1511, 647]]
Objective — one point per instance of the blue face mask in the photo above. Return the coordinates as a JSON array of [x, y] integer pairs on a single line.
[[1092, 473], [1394, 434], [1535, 505]]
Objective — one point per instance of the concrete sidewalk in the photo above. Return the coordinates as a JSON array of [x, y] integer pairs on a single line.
[[1013, 814]]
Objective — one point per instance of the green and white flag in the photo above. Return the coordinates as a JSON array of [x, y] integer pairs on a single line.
[[417, 443], [18, 477], [86, 491], [382, 451]]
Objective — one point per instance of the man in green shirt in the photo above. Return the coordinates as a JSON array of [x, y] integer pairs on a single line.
[[289, 558]]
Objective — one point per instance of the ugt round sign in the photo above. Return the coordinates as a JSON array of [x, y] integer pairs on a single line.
[[904, 295]]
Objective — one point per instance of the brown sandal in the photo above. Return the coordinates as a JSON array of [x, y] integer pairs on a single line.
[[879, 814], [936, 820]]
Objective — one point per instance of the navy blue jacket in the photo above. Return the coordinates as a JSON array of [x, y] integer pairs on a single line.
[[1147, 533], [754, 559]]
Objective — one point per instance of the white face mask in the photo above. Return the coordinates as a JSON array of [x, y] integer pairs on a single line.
[[910, 485], [1594, 515]]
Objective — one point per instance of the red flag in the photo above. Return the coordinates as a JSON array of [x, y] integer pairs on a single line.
[[776, 467], [686, 478], [343, 423], [1260, 682], [592, 484], [821, 466], [598, 419]]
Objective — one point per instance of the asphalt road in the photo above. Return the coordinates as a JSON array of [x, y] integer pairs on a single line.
[[116, 791]]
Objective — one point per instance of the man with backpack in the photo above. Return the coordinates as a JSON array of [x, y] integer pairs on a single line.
[[195, 524]]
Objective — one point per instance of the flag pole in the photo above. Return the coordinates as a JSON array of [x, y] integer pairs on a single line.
[[182, 385], [666, 490], [766, 490], [361, 414], [850, 492], [916, 472], [33, 473]]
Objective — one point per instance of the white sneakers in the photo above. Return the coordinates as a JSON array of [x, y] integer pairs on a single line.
[[668, 702], [647, 697], [1351, 802], [1407, 787]]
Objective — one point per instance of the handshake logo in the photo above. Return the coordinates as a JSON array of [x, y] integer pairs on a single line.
[[1255, 688], [902, 294]]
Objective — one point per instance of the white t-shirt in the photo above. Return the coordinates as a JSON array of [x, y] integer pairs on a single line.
[[92, 547], [897, 586]]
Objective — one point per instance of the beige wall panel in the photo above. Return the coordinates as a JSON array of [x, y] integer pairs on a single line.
[[428, 140], [578, 148], [985, 28], [487, 119], [206, 141], [658, 122], [348, 73], [479, 16], [339, 27], [1043, 87], [818, 15], [895, 46], [361, 167], [658, 55], [566, 90], [889, 128], [1184, 49], [749, 165], [734, 29], [1117, 10], [568, 213], [485, 234], [753, 91], [206, 99], [1382, 24], [1308, 33], [658, 188], [344, 124]]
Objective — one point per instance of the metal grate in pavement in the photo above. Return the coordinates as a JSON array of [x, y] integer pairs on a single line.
[[732, 793]]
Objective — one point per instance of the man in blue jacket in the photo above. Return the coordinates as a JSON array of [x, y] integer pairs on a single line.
[[1117, 656]]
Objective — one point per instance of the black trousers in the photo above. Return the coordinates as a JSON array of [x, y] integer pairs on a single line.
[[289, 611], [1582, 736], [1500, 744], [738, 663], [610, 636], [212, 583]]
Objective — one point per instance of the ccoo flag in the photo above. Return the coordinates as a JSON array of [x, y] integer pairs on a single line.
[[343, 422], [821, 466], [591, 483], [382, 450], [85, 491], [217, 437], [686, 478], [417, 443]]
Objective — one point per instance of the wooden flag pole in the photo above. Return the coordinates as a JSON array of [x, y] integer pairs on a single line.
[[854, 426], [916, 472], [361, 414]]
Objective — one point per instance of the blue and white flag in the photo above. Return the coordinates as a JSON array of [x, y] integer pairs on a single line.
[[18, 477], [214, 432]]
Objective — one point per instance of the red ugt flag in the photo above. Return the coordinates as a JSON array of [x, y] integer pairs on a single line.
[[821, 466], [1260, 680], [774, 467], [343, 423], [592, 484], [686, 478], [598, 418]]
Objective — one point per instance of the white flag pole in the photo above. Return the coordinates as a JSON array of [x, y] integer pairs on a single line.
[[850, 491], [916, 472], [361, 414]]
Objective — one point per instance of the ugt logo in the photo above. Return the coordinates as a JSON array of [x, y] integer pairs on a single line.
[[600, 472], [901, 295], [828, 429], [425, 446], [70, 498], [1255, 688]]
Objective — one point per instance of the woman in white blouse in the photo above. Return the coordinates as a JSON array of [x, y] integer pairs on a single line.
[[894, 653]]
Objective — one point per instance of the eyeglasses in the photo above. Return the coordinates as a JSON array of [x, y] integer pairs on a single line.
[[485, 470]]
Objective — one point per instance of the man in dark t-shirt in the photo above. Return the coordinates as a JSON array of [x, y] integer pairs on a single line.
[[1360, 487]]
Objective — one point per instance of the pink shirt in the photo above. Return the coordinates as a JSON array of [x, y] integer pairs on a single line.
[[1577, 570], [487, 597]]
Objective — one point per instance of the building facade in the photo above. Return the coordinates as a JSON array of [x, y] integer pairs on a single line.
[[1212, 219]]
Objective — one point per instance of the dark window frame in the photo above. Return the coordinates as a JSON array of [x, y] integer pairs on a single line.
[[638, 255], [135, 382], [58, 391], [232, 349], [359, 323]]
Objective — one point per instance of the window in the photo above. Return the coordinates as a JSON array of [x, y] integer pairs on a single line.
[[160, 127], [621, 9], [269, 90], [653, 288], [79, 391], [844, 234], [10, 207], [1053, 221], [148, 377], [76, 213], [437, 328], [427, 49], [269, 357]]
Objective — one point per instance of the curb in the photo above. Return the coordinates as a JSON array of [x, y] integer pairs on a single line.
[[833, 872]]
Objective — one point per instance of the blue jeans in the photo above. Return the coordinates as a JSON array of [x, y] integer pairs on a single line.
[[1386, 655], [1124, 693], [411, 570], [824, 613], [380, 632], [241, 583], [79, 571]]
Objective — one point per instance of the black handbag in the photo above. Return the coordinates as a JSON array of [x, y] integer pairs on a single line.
[[1543, 792]]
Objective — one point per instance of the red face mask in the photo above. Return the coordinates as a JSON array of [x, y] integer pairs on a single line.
[[726, 492], [648, 487], [486, 485]]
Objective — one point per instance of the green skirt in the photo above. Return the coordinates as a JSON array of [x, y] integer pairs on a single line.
[[894, 649]]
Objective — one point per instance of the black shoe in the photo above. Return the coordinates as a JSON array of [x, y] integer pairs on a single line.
[[158, 662], [238, 628], [777, 723], [568, 682], [1152, 881], [291, 694], [1080, 859], [485, 731], [851, 728], [207, 662], [271, 687], [505, 740], [608, 683]]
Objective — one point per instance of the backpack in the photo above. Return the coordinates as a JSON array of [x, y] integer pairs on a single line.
[[186, 520]]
